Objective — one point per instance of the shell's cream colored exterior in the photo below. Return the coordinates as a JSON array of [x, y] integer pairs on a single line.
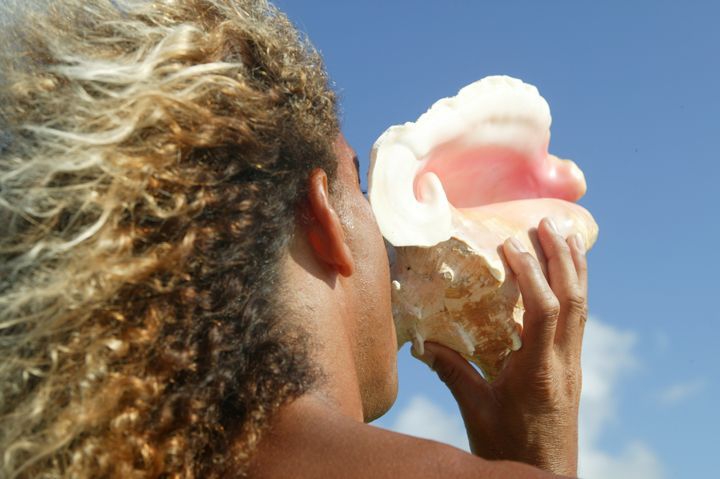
[[447, 294], [450, 283], [451, 294]]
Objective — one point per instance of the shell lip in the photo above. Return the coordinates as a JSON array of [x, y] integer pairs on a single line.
[[487, 147], [411, 204]]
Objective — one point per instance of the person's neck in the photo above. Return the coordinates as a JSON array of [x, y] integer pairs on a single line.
[[316, 305], [338, 385]]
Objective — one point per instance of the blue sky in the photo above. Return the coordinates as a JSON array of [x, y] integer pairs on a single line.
[[634, 90]]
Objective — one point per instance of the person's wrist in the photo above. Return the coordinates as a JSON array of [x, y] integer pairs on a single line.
[[556, 457]]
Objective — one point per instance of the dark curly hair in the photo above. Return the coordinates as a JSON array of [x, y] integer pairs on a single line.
[[152, 160]]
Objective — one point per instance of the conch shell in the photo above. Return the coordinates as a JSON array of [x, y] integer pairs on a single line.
[[447, 191]]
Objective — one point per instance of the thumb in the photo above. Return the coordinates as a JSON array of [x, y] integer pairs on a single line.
[[464, 381]]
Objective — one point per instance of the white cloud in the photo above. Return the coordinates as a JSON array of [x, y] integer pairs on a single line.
[[636, 461], [423, 418], [607, 357], [682, 391]]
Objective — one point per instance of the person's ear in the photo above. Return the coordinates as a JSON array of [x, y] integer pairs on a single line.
[[325, 231]]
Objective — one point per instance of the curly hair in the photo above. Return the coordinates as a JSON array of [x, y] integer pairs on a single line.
[[153, 156]]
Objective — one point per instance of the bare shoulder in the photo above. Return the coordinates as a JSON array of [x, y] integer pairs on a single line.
[[331, 445]]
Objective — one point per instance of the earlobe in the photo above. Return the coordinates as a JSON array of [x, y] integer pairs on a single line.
[[325, 232]]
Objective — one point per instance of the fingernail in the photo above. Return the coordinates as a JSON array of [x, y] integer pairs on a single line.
[[552, 226], [580, 243], [516, 245]]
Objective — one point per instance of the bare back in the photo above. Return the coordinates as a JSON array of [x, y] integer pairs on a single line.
[[310, 440]]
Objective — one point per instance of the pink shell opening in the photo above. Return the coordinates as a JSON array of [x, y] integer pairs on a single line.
[[481, 175]]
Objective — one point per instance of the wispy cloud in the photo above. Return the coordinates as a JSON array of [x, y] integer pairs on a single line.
[[423, 418], [680, 392], [608, 358], [635, 461]]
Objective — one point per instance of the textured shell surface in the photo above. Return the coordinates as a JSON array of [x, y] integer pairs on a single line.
[[447, 190]]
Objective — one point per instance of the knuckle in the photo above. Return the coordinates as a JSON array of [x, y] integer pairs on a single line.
[[573, 378], [549, 307], [573, 382], [577, 304], [449, 375], [545, 385]]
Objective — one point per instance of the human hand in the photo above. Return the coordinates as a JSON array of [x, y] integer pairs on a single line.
[[530, 412]]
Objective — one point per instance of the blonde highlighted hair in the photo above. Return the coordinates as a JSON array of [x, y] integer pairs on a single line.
[[152, 157]]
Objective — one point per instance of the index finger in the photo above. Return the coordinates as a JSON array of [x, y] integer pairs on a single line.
[[541, 306]]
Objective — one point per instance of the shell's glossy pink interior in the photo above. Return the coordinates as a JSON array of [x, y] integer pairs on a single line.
[[490, 174]]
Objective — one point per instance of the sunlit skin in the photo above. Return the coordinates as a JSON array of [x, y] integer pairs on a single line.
[[336, 283]]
